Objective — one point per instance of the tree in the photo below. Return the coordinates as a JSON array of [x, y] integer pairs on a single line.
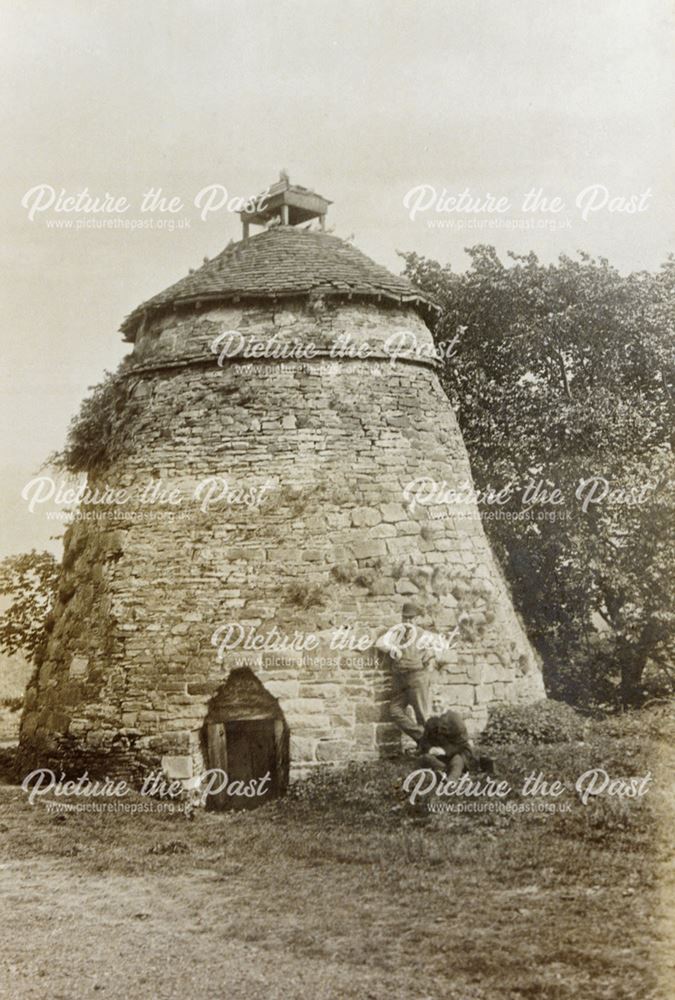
[[30, 581], [563, 373]]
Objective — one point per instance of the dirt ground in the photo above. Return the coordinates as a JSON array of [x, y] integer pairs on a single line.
[[342, 891]]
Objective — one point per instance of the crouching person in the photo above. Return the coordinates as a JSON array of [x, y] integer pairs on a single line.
[[445, 746]]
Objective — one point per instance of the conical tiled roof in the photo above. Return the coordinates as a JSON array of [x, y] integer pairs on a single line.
[[283, 262]]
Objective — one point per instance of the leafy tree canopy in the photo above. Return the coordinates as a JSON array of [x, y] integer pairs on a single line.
[[564, 372], [30, 581]]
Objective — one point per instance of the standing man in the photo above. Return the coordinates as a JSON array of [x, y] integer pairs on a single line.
[[410, 673]]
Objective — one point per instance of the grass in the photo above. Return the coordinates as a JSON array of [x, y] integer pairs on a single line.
[[342, 890]]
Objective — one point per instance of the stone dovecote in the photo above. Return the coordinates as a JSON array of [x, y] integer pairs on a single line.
[[316, 536]]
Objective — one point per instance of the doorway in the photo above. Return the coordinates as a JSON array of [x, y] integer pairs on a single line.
[[246, 737], [248, 751], [251, 755]]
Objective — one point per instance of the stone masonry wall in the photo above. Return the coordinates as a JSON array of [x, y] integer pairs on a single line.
[[333, 544]]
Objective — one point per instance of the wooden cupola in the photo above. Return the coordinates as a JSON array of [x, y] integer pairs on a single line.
[[285, 204]]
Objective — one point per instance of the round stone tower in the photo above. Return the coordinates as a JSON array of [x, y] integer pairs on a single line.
[[258, 517]]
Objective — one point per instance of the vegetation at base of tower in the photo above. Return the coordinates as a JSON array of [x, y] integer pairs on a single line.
[[30, 581], [546, 721], [562, 373], [552, 900], [96, 434]]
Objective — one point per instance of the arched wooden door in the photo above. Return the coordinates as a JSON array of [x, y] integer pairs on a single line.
[[246, 738]]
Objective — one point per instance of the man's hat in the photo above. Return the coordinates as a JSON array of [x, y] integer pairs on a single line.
[[410, 610]]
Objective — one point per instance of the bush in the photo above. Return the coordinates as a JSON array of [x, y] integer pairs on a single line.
[[657, 684], [544, 721], [655, 722]]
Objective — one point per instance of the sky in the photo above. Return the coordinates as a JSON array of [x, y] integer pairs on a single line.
[[386, 108]]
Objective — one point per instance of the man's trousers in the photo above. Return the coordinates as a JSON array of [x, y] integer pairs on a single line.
[[410, 690]]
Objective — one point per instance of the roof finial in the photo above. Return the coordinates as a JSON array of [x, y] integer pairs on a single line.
[[283, 175]]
